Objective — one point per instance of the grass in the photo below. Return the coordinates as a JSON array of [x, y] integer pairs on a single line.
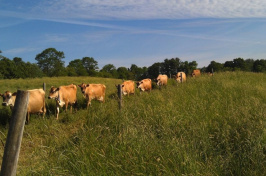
[[206, 126]]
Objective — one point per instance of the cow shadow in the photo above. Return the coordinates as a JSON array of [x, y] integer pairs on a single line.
[[5, 116]]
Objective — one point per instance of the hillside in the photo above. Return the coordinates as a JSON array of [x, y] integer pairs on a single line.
[[206, 126]]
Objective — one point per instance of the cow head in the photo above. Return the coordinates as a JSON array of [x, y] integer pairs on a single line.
[[158, 81], [124, 91], [140, 85], [178, 77], [9, 98], [83, 87], [54, 93]]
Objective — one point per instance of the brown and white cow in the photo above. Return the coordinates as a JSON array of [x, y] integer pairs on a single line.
[[64, 95], [36, 102], [144, 85], [128, 87], [162, 80], [178, 77], [93, 91], [196, 73]]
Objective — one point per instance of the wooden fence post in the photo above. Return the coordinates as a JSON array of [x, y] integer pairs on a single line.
[[15, 133], [44, 87], [119, 93]]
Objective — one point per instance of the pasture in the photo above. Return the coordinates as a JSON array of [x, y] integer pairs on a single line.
[[206, 126]]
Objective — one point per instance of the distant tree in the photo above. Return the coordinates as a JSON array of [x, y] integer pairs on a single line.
[[123, 73], [138, 73], [260, 66], [249, 64], [240, 64], [188, 67], [51, 63], [32, 70], [171, 66], [90, 65], [155, 69], [77, 67], [109, 71], [216, 66], [7, 68]]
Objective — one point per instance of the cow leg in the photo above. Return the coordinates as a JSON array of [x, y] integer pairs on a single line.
[[44, 111], [27, 118], [57, 112], [89, 104], [66, 106]]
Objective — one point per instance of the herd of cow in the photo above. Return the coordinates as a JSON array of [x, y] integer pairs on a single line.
[[67, 95]]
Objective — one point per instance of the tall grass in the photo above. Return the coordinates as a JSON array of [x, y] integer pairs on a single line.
[[206, 126]]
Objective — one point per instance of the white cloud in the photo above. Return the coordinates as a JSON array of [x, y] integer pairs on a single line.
[[15, 51], [145, 9]]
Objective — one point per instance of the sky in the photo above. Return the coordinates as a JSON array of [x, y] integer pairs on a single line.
[[141, 32]]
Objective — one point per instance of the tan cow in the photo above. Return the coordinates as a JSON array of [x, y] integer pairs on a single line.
[[195, 73], [64, 95], [144, 85], [93, 91], [162, 80], [36, 102], [128, 87], [178, 77]]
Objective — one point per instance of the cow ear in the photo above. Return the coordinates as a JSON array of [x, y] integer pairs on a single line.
[[87, 85], [57, 89], [79, 85], [14, 94]]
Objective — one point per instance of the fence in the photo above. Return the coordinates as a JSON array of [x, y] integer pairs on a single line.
[[15, 133]]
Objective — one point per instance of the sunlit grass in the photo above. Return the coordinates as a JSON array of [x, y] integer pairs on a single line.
[[206, 126]]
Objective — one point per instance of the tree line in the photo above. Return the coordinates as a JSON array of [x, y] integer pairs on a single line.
[[50, 63]]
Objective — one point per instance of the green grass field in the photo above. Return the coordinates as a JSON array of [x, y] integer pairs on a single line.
[[206, 126]]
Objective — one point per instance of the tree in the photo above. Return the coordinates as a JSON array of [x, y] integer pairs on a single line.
[[240, 64], [188, 67], [7, 68], [216, 66], [51, 63], [249, 64], [138, 73], [109, 71], [90, 65], [155, 70], [77, 67], [171, 66], [123, 73], [259, 65]]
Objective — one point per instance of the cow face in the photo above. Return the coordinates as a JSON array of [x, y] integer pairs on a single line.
[[54, 93], [140, 85], [124, 91], [9, 98], [158, 81], [83, 87]]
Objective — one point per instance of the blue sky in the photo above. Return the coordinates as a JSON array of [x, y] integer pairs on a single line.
[[141, 32]]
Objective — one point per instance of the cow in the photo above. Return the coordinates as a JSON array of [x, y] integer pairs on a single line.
[[144, 85], [93, 91], [195, 73], [162, 80], [128, 87], [36, 102], [64, 95], [178, 77]]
